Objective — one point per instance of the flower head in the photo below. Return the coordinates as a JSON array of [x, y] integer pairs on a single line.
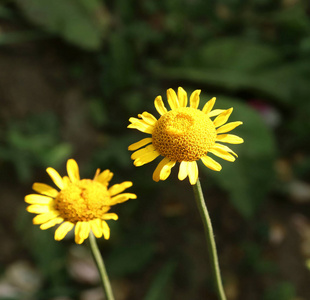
[[184, 134], [83, 203]]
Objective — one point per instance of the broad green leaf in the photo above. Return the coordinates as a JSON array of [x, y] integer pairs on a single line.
[[34, 142], [160, 284], [80, 22], [238, 65], [19, 37], [280, 291], [293, 21], [130, 259], [238, 54], [6, 13], [279, 83], [249, 178]]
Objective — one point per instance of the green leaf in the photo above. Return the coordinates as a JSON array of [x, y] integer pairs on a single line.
[[33, 142], [5, 13], [19, 37], [237, 65], [80, 22], [161, 282], [278, 83], [237, 54], [281, 291], [293, 21], [130, 259], [48, 254], [98, 112], [249, 178]]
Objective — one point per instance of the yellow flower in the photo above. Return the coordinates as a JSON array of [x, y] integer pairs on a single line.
[[83, 203], [185, 135]]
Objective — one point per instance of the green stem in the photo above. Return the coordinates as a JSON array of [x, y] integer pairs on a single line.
[[101, 267], [210, 239]]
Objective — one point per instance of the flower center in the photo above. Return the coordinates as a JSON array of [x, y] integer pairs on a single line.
[[184, 134], [84, 200]]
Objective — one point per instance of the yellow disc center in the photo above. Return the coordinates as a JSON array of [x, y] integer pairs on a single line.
[[84, 200], [184, 134]]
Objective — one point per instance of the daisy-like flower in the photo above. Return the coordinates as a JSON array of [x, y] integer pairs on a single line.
[[185, 135], [83, 203]]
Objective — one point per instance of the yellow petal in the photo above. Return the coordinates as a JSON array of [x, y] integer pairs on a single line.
[[81, 231], [121, 198], [140, 144], [229, 138], [105, 209], [172, 99], [38, 209], [228, 127], [224, 148], [209, 105], [146, 158], [118, 188], [66, 181], [96, 227], [38, 199], [96, 174], [215, 112], [148, 118], [222, 118], [45, 189], [183, 170], [211, 163], [105, 229], [182, 96], [73, 170], [163, 169], [222, 154], [62, 230], [192, 172], [104, 177], [140, 125], [43, 218], [51, 223], [194, 99], [143, 151], [55, 177], [159, 105], [110, 216], [144, 155]]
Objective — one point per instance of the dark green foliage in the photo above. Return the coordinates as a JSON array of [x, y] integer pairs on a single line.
[[118, 56], [33, 142], [130, 258], [49, 256], [282, 291], [248, 180], [82, 22], [159, 288]]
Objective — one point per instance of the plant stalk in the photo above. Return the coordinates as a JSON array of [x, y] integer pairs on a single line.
[[101, 267], [210, 239]]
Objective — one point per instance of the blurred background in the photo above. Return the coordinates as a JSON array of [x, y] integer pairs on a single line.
[[72, 72]]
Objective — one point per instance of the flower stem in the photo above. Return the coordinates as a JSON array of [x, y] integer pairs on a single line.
[[101, 267], [210, 239]]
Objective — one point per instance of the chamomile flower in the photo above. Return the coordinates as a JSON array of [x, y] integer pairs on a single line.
[[80, 203], [184, 134]]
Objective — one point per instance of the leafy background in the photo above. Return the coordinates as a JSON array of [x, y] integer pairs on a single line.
[[71, 75]]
